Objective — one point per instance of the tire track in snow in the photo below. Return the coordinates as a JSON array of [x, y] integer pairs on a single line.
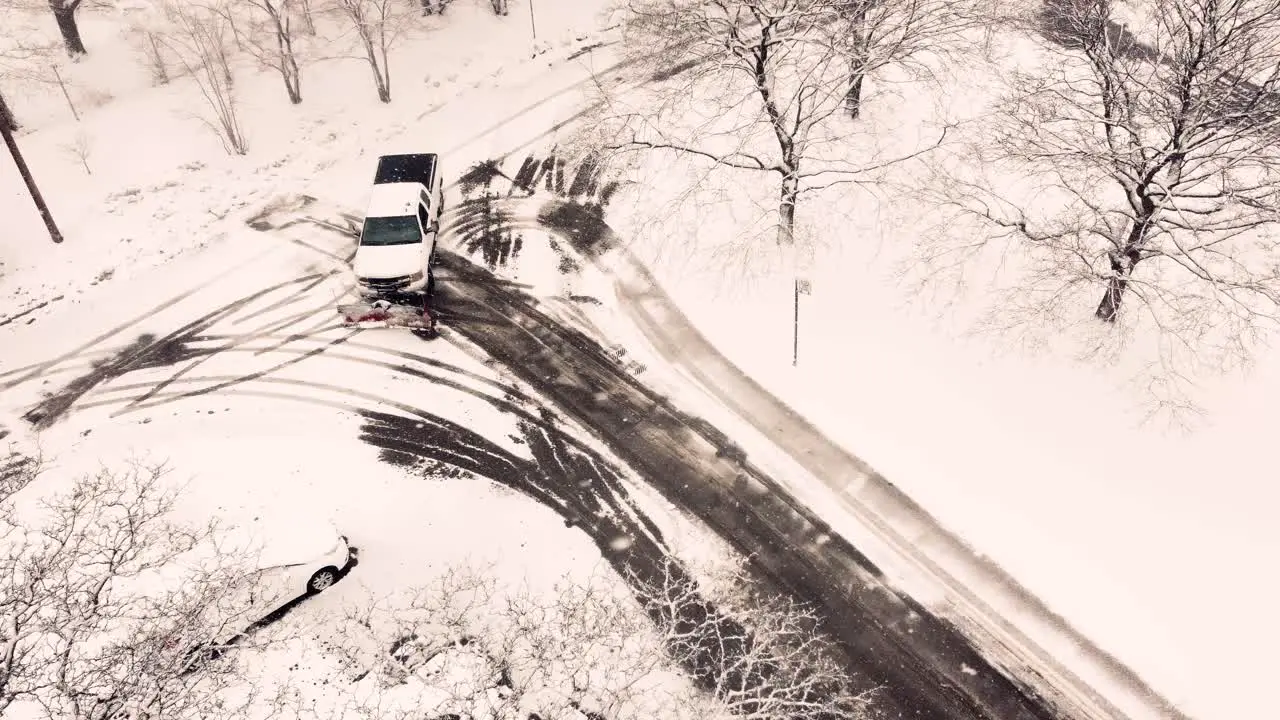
[[510, 402], [34, 371], [870, 497], [196, 360], [889, 638], [566, 476], [421, 434], [584, 229], [145, 352]]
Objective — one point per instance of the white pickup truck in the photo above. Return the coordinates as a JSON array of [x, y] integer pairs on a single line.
[[398, 239], [397, 249]]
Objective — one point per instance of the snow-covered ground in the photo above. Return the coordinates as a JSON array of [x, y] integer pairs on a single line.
[[1148, 542], [1142, 538]]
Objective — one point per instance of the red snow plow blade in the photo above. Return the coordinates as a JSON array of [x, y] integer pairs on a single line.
[[384, 314]]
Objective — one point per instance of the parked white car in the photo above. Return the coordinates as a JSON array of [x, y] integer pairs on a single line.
[[293, 557], [262, 564]]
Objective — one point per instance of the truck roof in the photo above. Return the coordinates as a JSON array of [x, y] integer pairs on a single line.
[[417, 167], [394, 199]]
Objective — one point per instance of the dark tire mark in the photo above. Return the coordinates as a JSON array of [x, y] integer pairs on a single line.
[[203, 355], [240, 379], [146, 352], [35, 371], [302, 291], [512, 402], [589, 494], [42, 371], [584, 227], [17, 316]]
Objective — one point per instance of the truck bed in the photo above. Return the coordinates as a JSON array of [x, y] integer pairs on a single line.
[[419, 168]]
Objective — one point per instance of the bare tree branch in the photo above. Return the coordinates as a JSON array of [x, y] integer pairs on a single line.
[[464, 646], [1149, 174], [85, 630]]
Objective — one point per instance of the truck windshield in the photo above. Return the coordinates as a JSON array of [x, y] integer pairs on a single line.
[[398, 230]]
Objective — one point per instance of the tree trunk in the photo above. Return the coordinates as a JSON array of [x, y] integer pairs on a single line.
[[384, 77], [858, 59], [54, 233], [288, 64], [7, 121], [292, 82], [789, 194], [308, 20], [65, 15], [1123, 263], [159, 69], [853, 96]]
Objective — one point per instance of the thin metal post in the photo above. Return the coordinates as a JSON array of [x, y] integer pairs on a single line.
[[795, 327]]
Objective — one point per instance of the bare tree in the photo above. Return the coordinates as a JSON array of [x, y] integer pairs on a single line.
[[379, 25], [81, 147], [755, 654], [1156, 151], [11, 143], [200, 42], [83, 632], [64, 12], [588, 650], [271, 39], [304, 11], [145, 32], [33, 62], [769, 84], [877, 34]]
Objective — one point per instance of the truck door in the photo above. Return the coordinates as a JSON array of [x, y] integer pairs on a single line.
[[428, 235]]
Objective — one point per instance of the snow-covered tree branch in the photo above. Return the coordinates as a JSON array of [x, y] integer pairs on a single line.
[[587, 649], [1156, 149], [272, 37], [200, 40], [379, 25], [86, 631], [759, 86]]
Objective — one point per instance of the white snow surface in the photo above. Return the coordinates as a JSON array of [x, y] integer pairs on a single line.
[[1157, 546]]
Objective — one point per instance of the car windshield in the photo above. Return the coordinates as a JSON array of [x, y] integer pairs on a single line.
[[399, 230]]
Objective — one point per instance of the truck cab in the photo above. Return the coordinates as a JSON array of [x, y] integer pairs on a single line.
[[398, 238]]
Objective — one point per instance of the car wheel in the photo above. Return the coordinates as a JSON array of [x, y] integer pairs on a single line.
[[322, 579]]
